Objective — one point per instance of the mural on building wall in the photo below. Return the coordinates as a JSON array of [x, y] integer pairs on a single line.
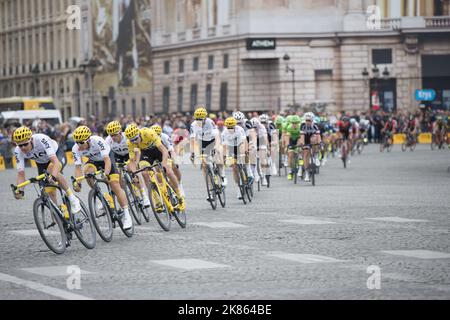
[[121, 30]]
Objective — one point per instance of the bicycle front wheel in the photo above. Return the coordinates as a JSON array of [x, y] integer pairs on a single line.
[[50, 226], [100, 215], [211, 189], [83, 227], [159, 207], [133, 203]]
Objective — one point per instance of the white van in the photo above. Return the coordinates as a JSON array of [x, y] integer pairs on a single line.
[[53, 117]]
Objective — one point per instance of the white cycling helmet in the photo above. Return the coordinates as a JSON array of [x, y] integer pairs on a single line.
[[239, 116], [352, 121], [264, 118], [309, 116], [255, 122]]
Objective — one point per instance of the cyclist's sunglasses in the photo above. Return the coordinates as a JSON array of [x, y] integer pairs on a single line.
[[135, 139], [81, 142], [23, 145]]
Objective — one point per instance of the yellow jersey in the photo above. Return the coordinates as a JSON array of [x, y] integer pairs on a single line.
[[149, 140]]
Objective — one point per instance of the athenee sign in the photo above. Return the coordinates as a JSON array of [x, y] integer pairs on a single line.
[[261, 44]]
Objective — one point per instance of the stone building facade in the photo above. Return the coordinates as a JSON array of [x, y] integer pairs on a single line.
[[41, 56], [342, 59]]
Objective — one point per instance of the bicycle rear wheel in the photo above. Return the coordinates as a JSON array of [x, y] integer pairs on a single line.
[[50, 226], [83, 227], [159, 208], [100, 215]]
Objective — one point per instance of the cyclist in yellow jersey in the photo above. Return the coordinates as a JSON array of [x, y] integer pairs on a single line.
[[148, 145]]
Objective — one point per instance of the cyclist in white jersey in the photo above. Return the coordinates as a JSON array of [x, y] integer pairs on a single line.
[[43, 151], [262, 142], [234, 145], [204, 131], [100, 157], [251, 142], [117, 141]]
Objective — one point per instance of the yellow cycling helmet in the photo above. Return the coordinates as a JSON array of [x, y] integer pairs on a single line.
[[230, 123], [212, 116], [23, 134], [81, 134], [132, 132], [200, 114], [157, 129], [113, 128]]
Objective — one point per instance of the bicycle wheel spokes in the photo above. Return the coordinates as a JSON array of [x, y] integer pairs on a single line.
[[50, 227], [100, 216], [84, 228], [159, 207]]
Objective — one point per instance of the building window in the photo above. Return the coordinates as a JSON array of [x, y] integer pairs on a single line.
[[324, 85], [381, 56], [133, 108], [195, 64], [143, 107], [181, 66], [124, 107], [166, 67], [226, 58], [224, 96], [166, 99], [180, 99], [194, 92], [210, 62], [208, 95]]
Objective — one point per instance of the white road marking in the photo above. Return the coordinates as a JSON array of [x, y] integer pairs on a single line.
[[43, 288], [421, 254], [307, 221], [397, 219], [303, 258], [33, 232], [220, 225], [57, 271], [190, 264]]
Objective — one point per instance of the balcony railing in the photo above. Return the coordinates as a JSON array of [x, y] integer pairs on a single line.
[[391, 24], [438, 22]]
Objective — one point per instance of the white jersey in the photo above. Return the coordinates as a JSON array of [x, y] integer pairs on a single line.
[[207, 132], [120, 148], [43, 149], [167, 142], [243, 125], [261, 131], [233, 139], [98, 150]]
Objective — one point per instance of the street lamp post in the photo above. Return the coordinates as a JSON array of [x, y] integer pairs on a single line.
[[90, 67], [287, 58]]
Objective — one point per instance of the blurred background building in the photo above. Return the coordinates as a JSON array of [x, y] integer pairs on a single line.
[[143, 57], [320, 54]]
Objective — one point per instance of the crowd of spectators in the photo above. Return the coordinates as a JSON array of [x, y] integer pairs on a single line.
[[177, 125]]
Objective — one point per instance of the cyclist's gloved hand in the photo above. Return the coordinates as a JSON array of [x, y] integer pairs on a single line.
[[19, 194], [76, 186], [135, 180]]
